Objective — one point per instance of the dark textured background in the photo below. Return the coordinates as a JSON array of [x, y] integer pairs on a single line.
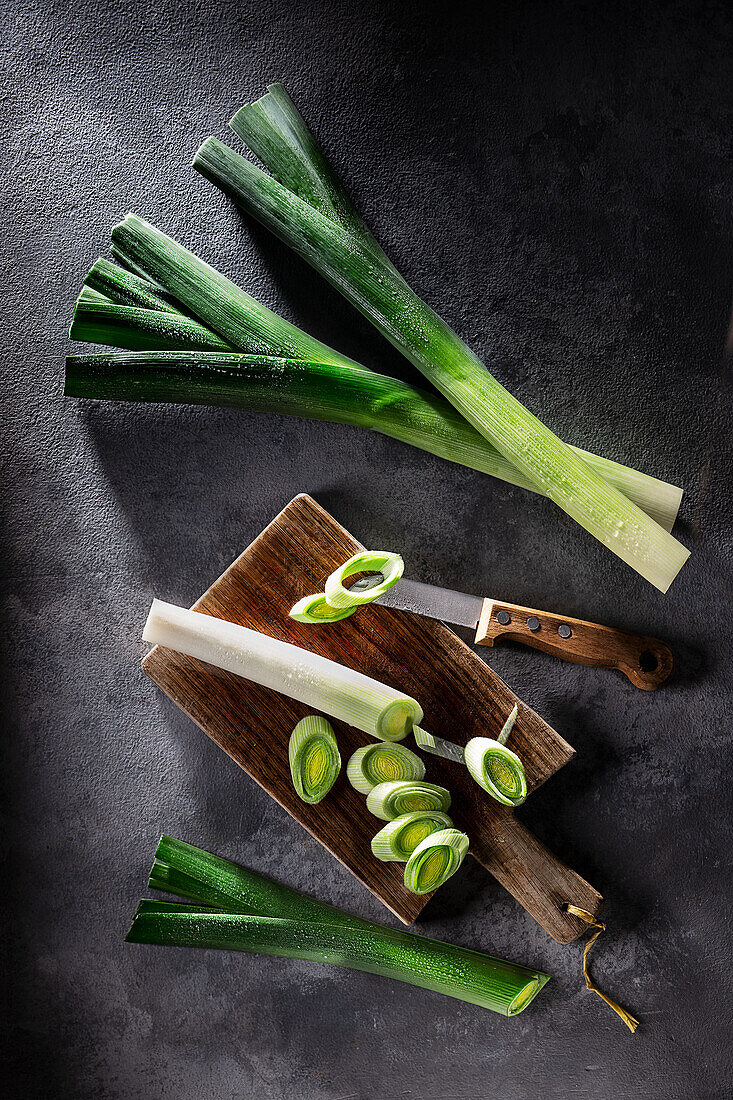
[[556, 180]]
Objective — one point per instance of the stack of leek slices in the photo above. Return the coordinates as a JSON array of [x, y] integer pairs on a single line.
[[419, 832]]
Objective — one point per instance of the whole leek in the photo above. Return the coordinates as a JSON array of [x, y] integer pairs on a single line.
[[371, 283], [340, 393]]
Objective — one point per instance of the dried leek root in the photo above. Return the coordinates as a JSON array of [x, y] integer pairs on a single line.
[[314, 758], [258, 916]]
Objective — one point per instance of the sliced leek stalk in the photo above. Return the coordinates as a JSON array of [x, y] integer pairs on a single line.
[[493, 766], [383, 763], [435, 859], [326, 686], [399, 838], [314, 609], [314, 758], [391, 800], [387, 567]]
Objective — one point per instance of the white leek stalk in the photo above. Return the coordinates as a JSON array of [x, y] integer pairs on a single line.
[[324, 685]]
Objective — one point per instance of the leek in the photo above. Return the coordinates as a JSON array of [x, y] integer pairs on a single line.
[[245, 324], [371, 283], [393, 799], [315, 609], [399, 838], [257, 915], [314, 758], [434, 860], [390, 568], [491, 764], [239, 319], [496, 768], [383, 763], [127, 289], [339, 393], [100, 321], [272, 127], [324, 685]]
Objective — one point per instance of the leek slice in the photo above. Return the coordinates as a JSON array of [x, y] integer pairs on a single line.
[[495, 767], [374, 287], [314, 758], [315, 609], [383, 763], [434, 860], [399, 838], [324, 685], [492, 765], [391, 800], [389, 566]]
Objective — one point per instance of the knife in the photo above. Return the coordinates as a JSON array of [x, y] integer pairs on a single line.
[[646, 661]]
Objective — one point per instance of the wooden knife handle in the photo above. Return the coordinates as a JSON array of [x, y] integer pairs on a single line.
[[537, 879], [646, 661]]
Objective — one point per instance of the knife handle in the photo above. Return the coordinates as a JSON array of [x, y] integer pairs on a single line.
[[646, 661]]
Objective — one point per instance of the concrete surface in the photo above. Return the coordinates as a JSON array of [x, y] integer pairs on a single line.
[[556, 180]]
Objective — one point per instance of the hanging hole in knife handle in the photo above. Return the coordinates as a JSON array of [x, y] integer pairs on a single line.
[[647, 662]]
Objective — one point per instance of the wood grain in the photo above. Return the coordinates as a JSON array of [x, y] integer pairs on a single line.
[[646, 661], [460, 695]]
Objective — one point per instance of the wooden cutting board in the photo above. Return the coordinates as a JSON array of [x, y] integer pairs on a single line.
[[460, 695]]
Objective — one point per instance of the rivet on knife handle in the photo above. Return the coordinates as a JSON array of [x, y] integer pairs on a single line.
[[646, 661]]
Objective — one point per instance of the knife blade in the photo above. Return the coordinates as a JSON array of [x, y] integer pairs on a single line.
[[646, 661]]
